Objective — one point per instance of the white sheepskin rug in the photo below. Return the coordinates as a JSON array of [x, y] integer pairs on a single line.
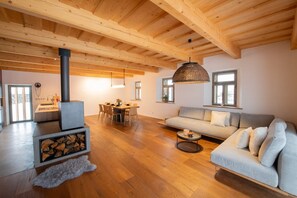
[[55, 175]]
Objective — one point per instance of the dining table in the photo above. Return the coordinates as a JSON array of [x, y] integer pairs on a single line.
[[122, 109]]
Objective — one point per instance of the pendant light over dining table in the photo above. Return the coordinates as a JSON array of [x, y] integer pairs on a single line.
[[190, 73], [118, 86]]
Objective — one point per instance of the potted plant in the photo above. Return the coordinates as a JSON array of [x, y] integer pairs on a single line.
[[165, 98], [119, 102]]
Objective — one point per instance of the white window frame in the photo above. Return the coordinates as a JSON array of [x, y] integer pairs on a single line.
[[137, 96], [167, 86]]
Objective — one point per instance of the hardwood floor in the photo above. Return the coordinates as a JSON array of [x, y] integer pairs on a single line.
[[140, 161]]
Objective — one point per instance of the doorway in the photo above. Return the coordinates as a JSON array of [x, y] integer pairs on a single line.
[[20, 103]]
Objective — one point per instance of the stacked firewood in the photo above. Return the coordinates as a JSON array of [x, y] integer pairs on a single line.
[[60, 146]]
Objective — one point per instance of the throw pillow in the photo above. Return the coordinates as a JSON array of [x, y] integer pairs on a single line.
[[220, 118], [257, 137], [273, 143], [243, 137]]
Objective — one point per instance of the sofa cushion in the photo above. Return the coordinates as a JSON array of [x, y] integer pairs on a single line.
[[287, 162], [234, 119], [273, 143], [207, 115], [190, 112], [256, 139], [243, 162], [255, 120], [243, 138], [200, 126], [220, 118]]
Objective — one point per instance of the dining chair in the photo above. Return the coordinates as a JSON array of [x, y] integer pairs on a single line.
[[112, 113], [130, 115], [105, 109], [101, 110]]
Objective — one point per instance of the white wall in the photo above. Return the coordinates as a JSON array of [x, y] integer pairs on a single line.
[[90, 90], [267, 81], [150, 105]]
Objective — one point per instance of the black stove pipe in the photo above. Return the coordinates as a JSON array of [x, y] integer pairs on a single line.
[[64, 64]]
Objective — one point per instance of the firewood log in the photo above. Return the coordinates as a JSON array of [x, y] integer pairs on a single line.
[[46, 143], [71, 138], [60, 147], [44, 156], [81, 136], [61, 140], [44, 149], [66, 150], [82, 146], [51, 152], [58, 154], [54, 145]]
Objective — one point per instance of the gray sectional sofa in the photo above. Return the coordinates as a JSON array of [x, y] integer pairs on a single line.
[[282, 175]]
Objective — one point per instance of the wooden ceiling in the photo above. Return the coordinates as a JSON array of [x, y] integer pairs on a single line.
[[136, 35]]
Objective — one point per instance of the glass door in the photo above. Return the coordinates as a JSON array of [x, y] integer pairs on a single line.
[[20, 103]]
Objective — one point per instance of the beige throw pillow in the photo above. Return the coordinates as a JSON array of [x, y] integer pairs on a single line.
[[243, 138], [257, 137], [220, 118]]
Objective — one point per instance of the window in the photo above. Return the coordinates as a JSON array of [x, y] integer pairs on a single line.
[[137, 90], [224, 86], [167, 90]]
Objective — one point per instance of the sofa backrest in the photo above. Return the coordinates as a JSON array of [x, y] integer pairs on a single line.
[[191, 112], [234, 119], [255, 120], [205, 114]]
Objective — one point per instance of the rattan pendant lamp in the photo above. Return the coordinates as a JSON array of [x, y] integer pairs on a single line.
[[190, 72]]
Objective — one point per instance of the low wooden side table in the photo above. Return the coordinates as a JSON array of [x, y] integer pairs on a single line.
[[189, 144]]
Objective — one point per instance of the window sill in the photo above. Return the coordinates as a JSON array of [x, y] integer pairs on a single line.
[[165, 102], [223, 107]]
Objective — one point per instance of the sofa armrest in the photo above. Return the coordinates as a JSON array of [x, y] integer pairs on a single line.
[[287, 162]]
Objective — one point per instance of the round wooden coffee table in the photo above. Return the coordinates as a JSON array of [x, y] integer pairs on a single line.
[[189, 144]]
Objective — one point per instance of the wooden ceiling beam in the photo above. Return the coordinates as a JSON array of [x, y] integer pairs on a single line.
[[23, 48], [195, 19], [32, 22], [18, 32], [17, 47], [45, 61], [96, 60], [56, 72], [294, 33], [58, 12], [55, 68], [3, 15]]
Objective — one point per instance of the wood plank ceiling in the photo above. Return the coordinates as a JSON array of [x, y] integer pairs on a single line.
[[136, 35]]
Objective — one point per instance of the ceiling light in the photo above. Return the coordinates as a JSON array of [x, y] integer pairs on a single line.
[[190, 72], [118, 86]]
